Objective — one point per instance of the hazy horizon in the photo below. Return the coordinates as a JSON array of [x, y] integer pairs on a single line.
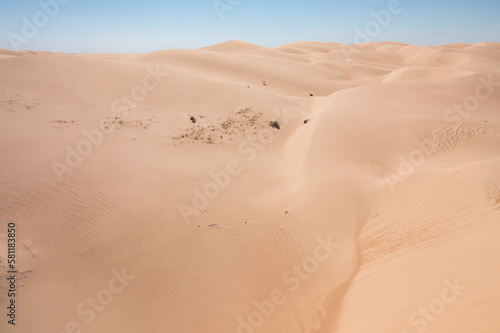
[[131, 26]]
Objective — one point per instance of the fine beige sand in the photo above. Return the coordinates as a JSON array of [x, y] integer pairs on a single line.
[[150, 193]]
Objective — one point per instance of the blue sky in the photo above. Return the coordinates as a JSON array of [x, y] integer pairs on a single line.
[[147, 25]]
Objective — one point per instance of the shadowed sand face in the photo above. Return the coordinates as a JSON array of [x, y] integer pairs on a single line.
[[237, 188]]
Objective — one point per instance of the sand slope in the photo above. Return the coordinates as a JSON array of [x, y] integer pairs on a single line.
[[379, 190]]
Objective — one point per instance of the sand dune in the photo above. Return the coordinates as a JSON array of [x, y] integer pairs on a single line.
[[151, 194]]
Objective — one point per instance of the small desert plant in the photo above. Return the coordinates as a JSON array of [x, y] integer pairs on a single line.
[[264, 83], [306, 121], [193, 119], [274, 124]]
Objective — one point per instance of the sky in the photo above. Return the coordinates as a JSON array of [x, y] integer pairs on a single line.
[[147, 25]]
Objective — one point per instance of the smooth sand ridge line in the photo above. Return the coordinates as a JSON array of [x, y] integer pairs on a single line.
[[243, 48], [359, 89], [393, 252], [432, 57], [415, 73], [286, 77], [320, 198], [24, 52]]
